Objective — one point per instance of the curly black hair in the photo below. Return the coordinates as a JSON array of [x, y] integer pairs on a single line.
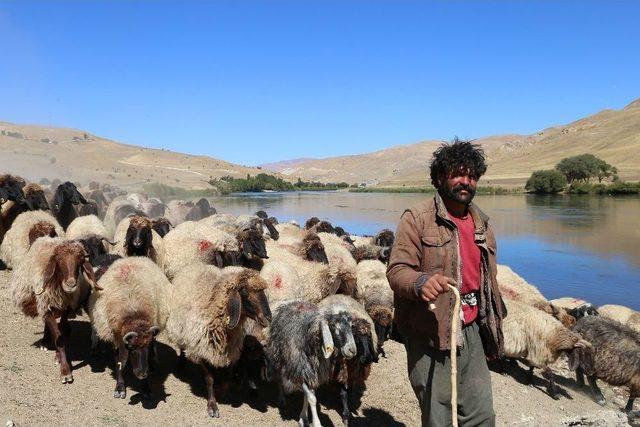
[[456, 156]]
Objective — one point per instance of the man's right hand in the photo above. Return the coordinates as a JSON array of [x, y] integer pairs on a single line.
[[434, 286]]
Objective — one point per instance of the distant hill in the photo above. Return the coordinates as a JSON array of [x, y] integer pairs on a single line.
[[37, 152], [284, 164], [613, 135]]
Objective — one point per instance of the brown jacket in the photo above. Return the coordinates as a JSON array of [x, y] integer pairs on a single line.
[[427, 243]]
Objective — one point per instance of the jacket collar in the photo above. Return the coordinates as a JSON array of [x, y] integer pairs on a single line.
[[480, 219]]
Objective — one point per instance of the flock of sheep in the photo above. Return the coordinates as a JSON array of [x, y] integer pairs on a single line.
[[250, 297]]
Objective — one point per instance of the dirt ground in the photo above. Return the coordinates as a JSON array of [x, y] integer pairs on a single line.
[[33, 395]]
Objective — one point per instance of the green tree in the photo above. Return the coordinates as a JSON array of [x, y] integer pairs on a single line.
[[584, 167], [546, 182]]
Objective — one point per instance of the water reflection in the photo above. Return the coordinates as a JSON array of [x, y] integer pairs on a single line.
[[586, 246]]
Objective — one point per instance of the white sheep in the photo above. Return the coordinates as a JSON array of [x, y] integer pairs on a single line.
[[339, 256], [514, 287], [27, 227], [622, 314], [194, 242], [209, 308], [538, 339], [86, 226], [129, 312]]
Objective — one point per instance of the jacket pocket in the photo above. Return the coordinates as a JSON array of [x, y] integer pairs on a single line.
[[434, 253]]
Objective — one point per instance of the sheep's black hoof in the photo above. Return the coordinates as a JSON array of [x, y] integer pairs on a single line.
[[213, 412], [120, 393], [66, 379]]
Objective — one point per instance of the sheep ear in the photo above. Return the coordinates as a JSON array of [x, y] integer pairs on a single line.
[[87, 269], [327, 339], [47, 275], [234, 309]]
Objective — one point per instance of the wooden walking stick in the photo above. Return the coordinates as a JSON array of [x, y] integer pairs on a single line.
[[453, 355]]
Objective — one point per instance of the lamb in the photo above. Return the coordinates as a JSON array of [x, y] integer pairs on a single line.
[[622, 314], [516, 288], [538, 339], [354, 371], [46, 284], [66, 196], [191, 242], [25, 230], [375, 292], [135, 237], [302, 349], [209, 309], [616, 357], [130, 311]]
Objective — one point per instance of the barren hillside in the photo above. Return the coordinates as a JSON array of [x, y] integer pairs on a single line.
[[47, 152], [613, 135]]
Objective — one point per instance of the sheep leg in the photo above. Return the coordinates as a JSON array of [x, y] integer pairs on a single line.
[[552, 389], [629, 407], [600, 400], [281, 399], [529, 379], [310, 397], [580, 377], [121, 360], [61, 354], [212, 405], [344, 397], [304, 416], [95, 342], [181, 359]]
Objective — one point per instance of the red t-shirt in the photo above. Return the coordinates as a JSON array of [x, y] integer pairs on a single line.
[[470, 258]]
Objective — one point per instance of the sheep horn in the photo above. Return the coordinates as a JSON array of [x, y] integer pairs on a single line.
[[40, 291], [155, 330], [582, 344], [327, 339], [129, 336]]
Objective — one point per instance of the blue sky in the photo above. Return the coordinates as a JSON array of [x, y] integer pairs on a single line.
[[253, 82]]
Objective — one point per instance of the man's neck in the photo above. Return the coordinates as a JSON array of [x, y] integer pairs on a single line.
[[456, 209]]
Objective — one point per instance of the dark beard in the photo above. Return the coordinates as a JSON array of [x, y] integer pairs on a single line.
[[454, 193]]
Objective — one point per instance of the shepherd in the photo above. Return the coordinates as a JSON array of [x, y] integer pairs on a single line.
[[446, 241]]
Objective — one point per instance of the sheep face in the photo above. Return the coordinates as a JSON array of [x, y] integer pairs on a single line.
[[41, 229], [311, 222], [582, 356], [272, 229], [340, 325], [94, 246], [140, 336], [324, 227], [583, 311], [13, 188], [252, 243], [250, 300], [139, 239], [364, 342], [348, 285], [162, 226], [314, 249], [67, 193], [383, 319], [67, 262], [34, 198], [385, 238], [262, 214]]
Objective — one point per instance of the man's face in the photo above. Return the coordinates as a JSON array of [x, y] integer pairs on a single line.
[[459, 186]]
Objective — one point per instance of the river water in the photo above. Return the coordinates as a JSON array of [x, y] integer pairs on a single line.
[[581, 246]]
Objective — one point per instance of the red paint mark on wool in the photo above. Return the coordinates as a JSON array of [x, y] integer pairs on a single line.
[[204, 245], [278, 283], [125, 271]]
